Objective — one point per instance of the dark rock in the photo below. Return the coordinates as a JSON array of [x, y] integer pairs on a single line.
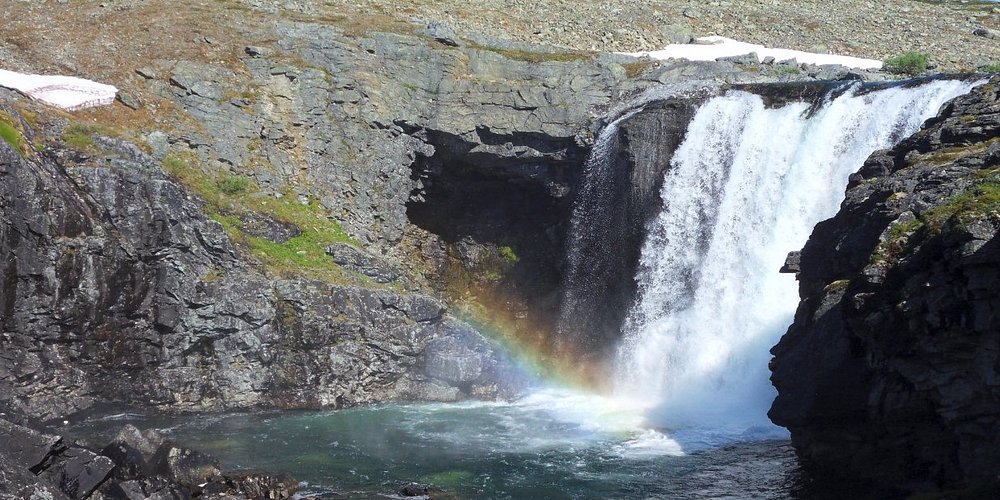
[[364, 263], [25, 446], [792, 263], [888, 372], [987, 33], [254, 51], [128, 99], [78, 471], [132, 451], [262, 226], [745, 59], [256, 484], [617, 201], [421, 490]]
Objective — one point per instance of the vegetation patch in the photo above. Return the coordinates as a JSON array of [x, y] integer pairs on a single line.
[[977, 202], [908, 63], [228, 198], [634, 69], [11, 135], [945, 156], [786, 70], [991, 68], [80, 136], [533, 56], [980, 200], [509, 254]]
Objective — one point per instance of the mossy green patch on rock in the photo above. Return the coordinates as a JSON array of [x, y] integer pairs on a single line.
[[949, 155], [230, 197], [80, 136], [979, 200], [11, 135]]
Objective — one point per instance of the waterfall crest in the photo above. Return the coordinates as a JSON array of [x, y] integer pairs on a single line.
[[744, 188]]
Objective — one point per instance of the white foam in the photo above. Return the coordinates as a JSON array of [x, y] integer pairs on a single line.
[[66, 92], [710, 48]]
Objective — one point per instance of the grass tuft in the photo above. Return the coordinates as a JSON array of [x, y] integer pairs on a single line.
[[11, 135], [908, 63], [80, 136]]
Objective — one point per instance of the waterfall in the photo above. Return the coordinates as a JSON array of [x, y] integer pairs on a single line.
[[743, 189]]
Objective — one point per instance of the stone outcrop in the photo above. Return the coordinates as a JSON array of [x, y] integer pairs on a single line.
[[135, 465], [117, 287], [889, 371]]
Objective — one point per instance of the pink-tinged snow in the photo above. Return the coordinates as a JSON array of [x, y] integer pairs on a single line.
[[67, 92], [710, 48]]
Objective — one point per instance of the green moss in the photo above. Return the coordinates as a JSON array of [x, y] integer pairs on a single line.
[[80, 136], [228, 197], [837, 285], [908, 63], [232, 185], [509, 255], [990, 68], [11, 135], [980, 200], [213, 275], [786, 70]]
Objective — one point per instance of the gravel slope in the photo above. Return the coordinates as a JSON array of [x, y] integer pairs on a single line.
[[872, 29]]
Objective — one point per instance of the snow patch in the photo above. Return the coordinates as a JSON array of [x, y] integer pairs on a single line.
[[67, 92], [710, 48]]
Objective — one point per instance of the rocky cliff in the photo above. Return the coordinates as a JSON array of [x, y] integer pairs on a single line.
[[118, 287], [889, 371]]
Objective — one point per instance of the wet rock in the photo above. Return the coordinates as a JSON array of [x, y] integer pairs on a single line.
[[25, 446], [421, 490], [185, 466], [78, 471], [256, 484]]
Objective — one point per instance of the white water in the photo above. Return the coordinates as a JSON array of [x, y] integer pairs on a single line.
[[744, 188]]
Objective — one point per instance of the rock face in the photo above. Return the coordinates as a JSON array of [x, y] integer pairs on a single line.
[[889, 371], [116, 287], [618, 197]]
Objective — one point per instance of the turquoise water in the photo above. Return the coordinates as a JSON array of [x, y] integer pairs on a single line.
[[551, 445]]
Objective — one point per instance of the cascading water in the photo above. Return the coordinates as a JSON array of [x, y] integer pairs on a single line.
[[744, 188]]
